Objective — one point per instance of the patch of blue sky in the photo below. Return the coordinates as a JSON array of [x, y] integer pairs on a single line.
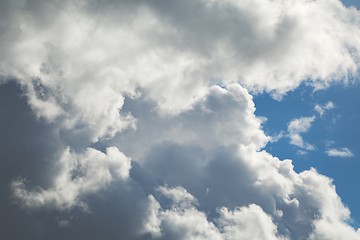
[[337, 128], [355, 3]]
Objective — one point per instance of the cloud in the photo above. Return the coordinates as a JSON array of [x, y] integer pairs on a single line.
[[232, 176], [321, 109], [223, 116], [276, 137], [187, 222], [241, 223], [297, 126], [79, 175], [101, 54], [339, 152], [247, 222], [220, 183], [169, 85]]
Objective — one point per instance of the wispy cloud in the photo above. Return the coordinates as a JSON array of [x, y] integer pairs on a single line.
[[298, 126], [339, 152], [322, 109]]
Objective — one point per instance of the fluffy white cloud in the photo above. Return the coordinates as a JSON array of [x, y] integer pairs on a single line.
[[187, 222], [78, 175], [247, 223], [181, 221], [222, 116], [178, 195], [341, 152], [87, 56], [297, 126], [327, 229]]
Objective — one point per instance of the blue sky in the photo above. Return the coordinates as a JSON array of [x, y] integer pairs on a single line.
[[338, 127], [354, 3]]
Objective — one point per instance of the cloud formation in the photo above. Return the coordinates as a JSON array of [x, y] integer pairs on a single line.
[[321, 109], [339, 152], [101, 53], [149, 106], [184, 221], [218, 185], [298, 126], [79, 175]]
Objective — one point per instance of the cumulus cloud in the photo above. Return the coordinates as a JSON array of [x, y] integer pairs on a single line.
[[298, 126], [224, 184], [339, 152], [187, 222], [180, 221], [168, 84], [163, 49], [232, 176], [79, 175], [223, 116]]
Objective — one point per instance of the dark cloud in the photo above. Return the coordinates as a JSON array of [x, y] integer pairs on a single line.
[[27, 145], [27, 148]]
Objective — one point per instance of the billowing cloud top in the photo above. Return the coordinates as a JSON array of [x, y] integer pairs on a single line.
[[168, 84]]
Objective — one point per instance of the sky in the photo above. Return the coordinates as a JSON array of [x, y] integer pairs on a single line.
[[201, 119], [337, 128]]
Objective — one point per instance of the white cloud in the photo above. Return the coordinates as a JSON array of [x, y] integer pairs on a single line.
[[178, 195], [100, 54], [247, 222], [339, 152], [325, 229], [186, 222], [298, 126], [183, 223], [321, 109], [152, 222], [78, 175], [222, 116]]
